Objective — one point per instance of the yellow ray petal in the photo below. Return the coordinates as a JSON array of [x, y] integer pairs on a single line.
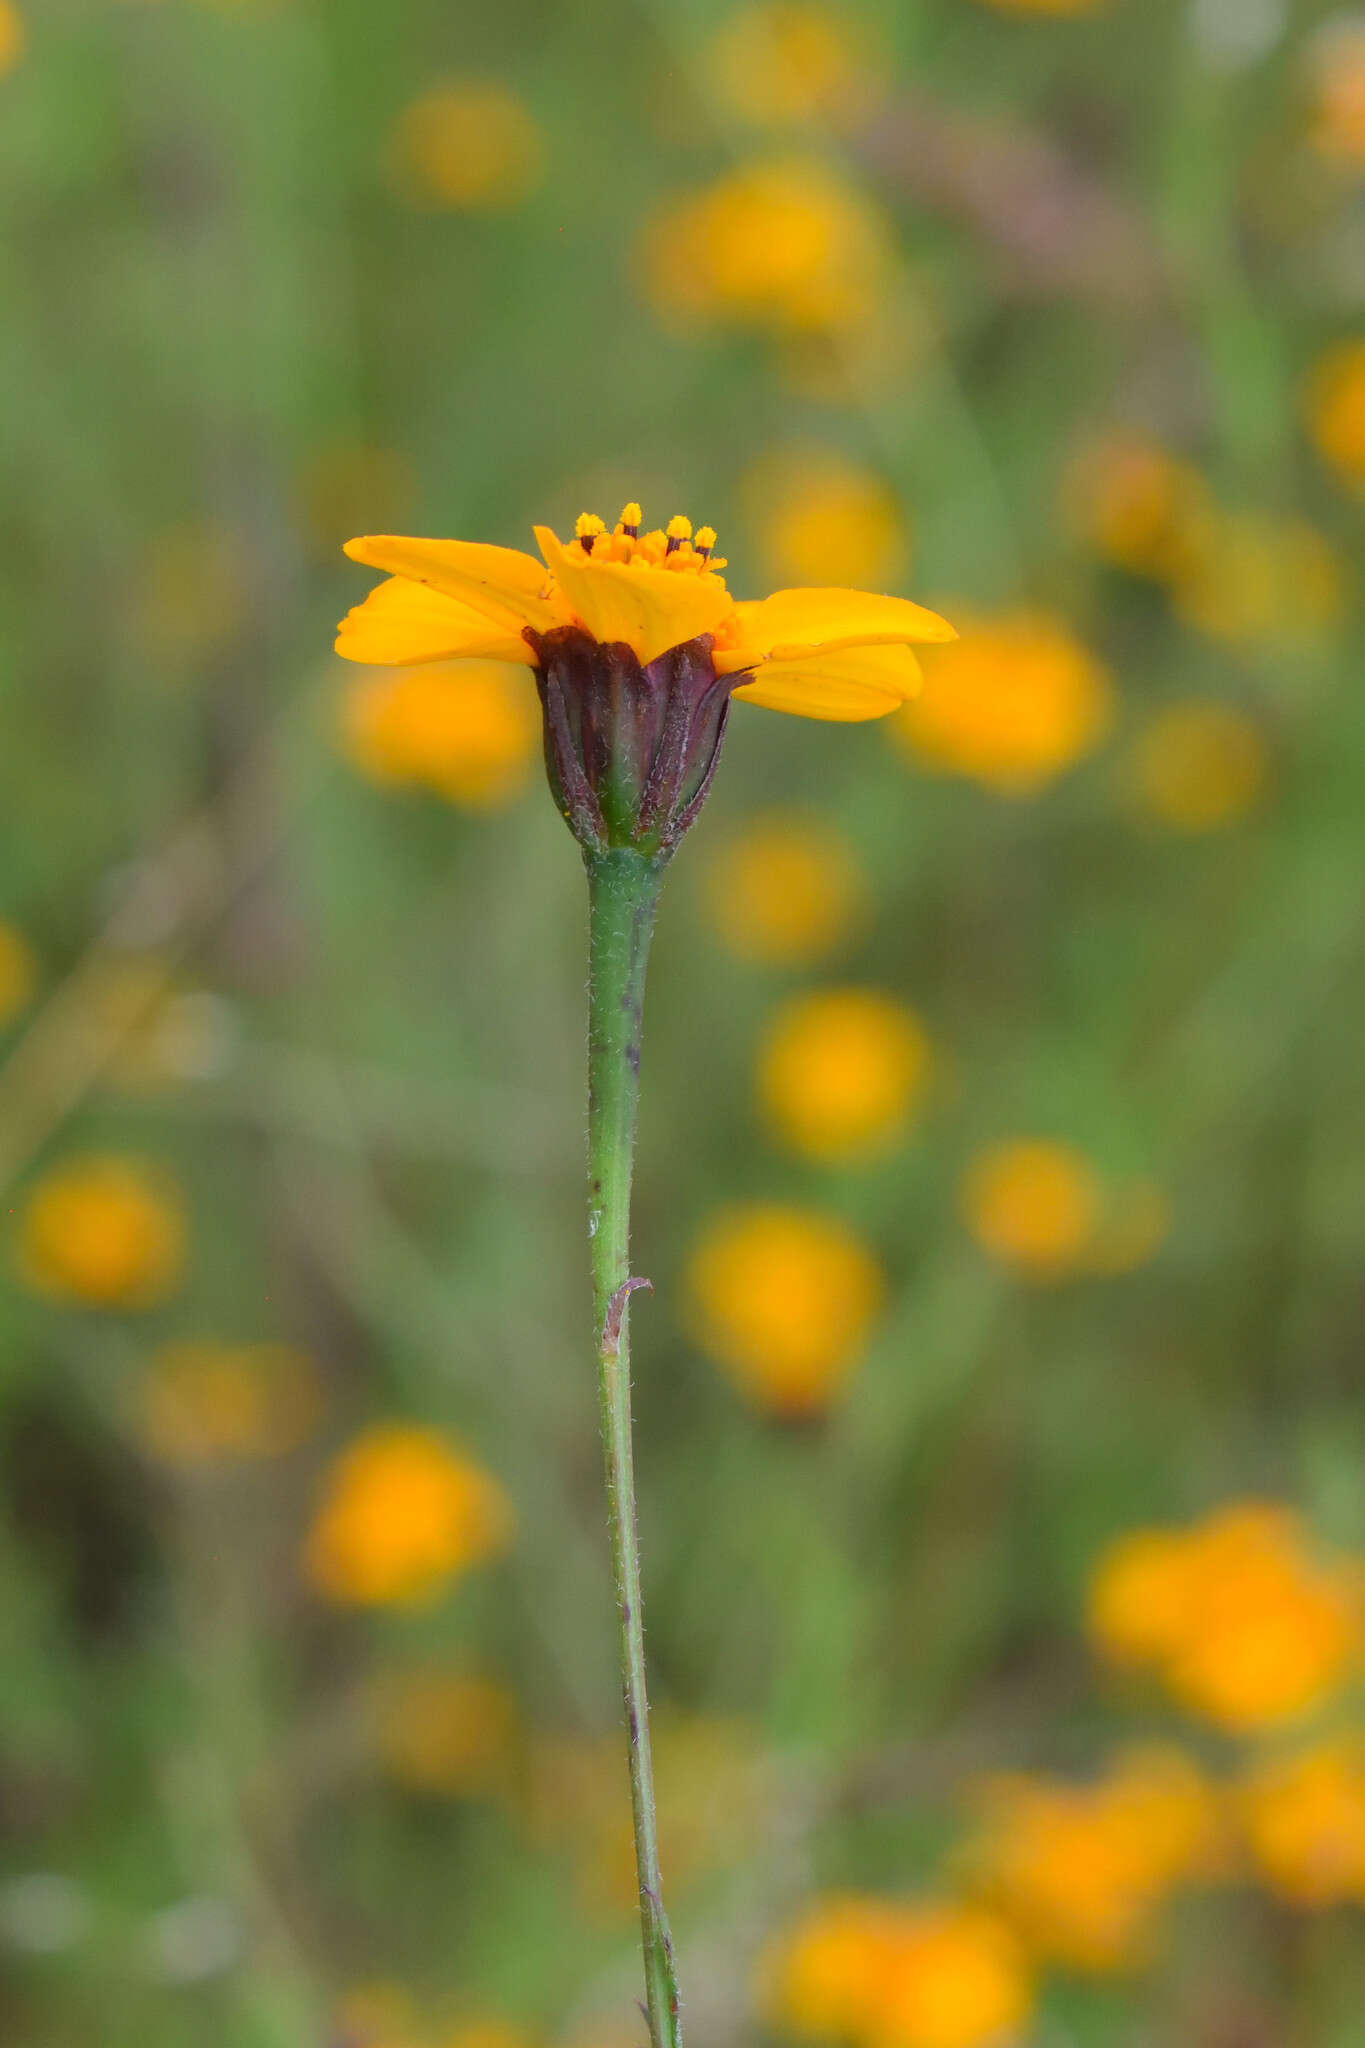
[[848, 685], [650, 609], [402, 623], [502, 583], [792, 621]]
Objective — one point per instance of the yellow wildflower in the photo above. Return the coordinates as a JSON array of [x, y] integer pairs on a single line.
[[1336, 397], [470, 145], [1304, 1821], [883, 1974], [202, 1400], [783, 1299], [1337, 60], [1137, 505], [104, 1231], [1035, 1205], [448, 1733], [1199, 765], [403, 1512], [787, 245], [1081, 1870], [13, 36], [469, 730], [785, 889], [823, 653], [841, 1070], [1245, 1625], [819, 516], [18, 971], [1013, 704], [1256, 580], [782, 62]]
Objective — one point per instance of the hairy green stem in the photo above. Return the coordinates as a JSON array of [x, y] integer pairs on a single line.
[[623, 892]]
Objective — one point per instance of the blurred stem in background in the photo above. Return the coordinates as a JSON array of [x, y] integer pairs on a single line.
[[623, 894]]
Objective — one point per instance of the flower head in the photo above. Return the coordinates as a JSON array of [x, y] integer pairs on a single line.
[[448, 1733], [841, 1070], [783, 1299], [18, 971], [785, 890], [202, 1400], [466, 729], [780, 62], [1336, 396], [1244, 1623], [13, 36], [104, 1231], [468, 145], [882, 1973], [637, 648], [403, 1511], [1199, 765], [1081, 1869], [1303, 1817], [1013, 705]]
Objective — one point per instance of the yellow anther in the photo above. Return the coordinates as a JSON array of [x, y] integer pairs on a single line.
[[587, 526], [631, 515], [705, 539], [679, 528]]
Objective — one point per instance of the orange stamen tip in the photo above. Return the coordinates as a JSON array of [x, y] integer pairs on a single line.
[[631, 515], [679, 528], [705, 539], [587, 526]]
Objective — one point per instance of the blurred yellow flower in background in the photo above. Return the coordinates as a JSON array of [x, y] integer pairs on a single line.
[[1034, 1204], [1082, 1870], [783, 1299], [1245, 1624], [470, 145], [788, 245], [468, 730], [1137, 505], [1337, 86], [1256, 579], [201, 1400], [1012, 704], [712, 1794], [841, 1070], [1198, 765], [779, 63], [403, 1511], [785, 889], [1336, 395], [18, 971], [448, 1733], [820, 518], [104, 1231], [1304, 1820], [13, 36], [884, 1974]]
